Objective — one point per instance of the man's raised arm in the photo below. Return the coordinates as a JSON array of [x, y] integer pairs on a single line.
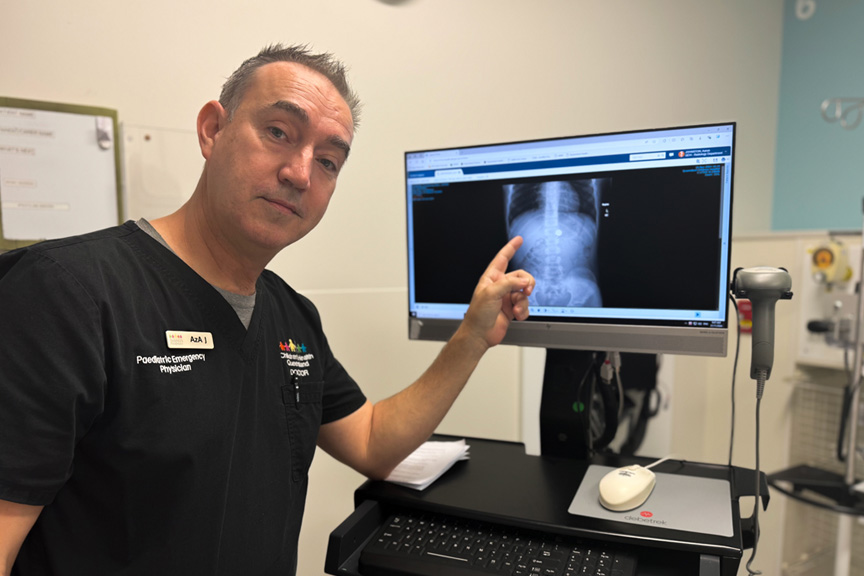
[[375, 438]]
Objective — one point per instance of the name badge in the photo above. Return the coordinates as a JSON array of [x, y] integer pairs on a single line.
[[181, 339]]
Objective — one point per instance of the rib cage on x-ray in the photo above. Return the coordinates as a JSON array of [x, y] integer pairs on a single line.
[[558, 221]]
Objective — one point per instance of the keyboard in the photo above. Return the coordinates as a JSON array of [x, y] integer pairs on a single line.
[[419, 544]]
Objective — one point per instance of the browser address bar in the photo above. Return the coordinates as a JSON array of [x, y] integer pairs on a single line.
[[649, 156]]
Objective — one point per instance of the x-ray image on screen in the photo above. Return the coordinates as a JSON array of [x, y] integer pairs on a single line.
[[558, 220]]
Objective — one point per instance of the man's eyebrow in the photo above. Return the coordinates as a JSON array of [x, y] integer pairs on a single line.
[[303, 116], [292, 109], [341, 145]]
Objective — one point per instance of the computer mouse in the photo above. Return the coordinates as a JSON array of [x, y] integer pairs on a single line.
[[626, 488]]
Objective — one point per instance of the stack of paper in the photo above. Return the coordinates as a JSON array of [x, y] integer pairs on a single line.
[[428, 463]]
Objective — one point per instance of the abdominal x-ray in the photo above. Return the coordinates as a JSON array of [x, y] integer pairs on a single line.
[[591, 240], [558, 220]]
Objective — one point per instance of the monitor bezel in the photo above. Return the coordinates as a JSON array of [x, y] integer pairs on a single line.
[[617, 334]]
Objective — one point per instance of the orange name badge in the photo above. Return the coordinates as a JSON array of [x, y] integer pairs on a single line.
[[179, 339]]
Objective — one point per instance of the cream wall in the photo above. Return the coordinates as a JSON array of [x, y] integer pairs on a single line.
[[431, 73]]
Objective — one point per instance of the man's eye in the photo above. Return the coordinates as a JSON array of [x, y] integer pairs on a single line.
[[276, 132], [329, 165]]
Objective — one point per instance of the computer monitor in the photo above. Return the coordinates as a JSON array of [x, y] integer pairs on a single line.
[[627, 234]]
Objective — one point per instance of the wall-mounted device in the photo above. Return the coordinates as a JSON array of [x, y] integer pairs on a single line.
[[831, 272]]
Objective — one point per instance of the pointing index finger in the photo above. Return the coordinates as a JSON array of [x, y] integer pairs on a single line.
[[502, 259]]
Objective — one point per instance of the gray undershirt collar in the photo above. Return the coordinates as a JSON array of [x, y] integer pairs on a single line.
[[242, 304]]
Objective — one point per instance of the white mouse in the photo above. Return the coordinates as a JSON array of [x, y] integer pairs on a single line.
[[626, 488]]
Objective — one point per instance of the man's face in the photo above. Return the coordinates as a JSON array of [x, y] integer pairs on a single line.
[[272, 168]]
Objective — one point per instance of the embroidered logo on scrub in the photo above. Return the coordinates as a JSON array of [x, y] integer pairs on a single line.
[[296, 356]]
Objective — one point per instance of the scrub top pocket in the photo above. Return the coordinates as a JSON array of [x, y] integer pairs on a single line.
[[303, 410]]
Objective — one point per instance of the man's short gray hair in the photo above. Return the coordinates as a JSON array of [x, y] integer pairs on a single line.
[[325, 64]]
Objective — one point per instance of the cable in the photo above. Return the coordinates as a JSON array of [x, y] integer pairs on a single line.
[[588, 404], [665, 458], [734, 372], [845, 407], [620, 394], [588, 371], [761, 377], [610, 368]]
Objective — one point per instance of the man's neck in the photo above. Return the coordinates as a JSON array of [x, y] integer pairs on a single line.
[[206, 252]]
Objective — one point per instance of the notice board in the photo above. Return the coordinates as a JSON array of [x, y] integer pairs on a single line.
[[59, 170]]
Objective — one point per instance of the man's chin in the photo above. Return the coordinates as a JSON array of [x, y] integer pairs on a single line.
[[274, 240]]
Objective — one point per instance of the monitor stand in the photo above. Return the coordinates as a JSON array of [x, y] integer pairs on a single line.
[[579, 414]]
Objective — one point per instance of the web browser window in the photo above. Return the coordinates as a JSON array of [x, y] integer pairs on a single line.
[[609, 223]]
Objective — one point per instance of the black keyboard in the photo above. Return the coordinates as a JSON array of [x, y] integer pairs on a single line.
[[415, 544]]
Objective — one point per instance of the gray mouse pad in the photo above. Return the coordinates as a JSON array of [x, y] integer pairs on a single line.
[[678, 502]]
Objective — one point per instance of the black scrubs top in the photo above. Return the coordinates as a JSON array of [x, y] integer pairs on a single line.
[[151, 459]]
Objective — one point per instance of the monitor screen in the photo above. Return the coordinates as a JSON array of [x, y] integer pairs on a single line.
[[627, 234]]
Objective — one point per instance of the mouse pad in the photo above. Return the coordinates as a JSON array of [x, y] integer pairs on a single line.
[[678, 502]]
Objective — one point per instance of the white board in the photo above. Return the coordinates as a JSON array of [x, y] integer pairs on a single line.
[[58, 170]]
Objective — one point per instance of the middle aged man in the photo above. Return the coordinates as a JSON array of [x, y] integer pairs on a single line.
[[161, 393]]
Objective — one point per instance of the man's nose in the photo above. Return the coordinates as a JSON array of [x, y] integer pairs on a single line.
[[297, 169]]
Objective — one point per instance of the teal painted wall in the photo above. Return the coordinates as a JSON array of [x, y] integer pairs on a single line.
[[819, 172]]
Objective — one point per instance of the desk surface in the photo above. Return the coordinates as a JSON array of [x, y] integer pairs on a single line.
[[500, 483]]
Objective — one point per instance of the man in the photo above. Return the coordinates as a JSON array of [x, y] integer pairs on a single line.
[[148, 428]]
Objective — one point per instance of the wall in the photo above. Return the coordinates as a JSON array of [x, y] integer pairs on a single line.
[[819, 139], [431, 73]]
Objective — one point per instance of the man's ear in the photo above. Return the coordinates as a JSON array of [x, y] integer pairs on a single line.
[[211, 119]]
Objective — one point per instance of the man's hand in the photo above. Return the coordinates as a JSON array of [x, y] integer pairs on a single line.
[[499, 298]]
